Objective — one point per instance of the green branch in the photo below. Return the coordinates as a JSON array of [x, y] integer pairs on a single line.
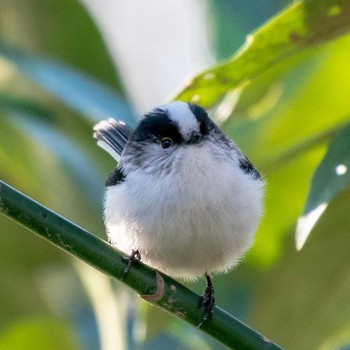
[[151, 285]]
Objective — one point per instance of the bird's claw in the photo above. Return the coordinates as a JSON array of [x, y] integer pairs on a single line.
[[208, 301], [134, 256]]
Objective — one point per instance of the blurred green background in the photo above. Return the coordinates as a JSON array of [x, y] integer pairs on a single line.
[[66, 64]]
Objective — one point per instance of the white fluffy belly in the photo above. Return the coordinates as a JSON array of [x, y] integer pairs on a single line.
[[185, 226]]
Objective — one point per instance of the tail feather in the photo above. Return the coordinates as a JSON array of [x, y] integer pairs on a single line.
[[112, 136]]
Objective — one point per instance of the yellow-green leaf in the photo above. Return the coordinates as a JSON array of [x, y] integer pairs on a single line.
[[331, 176], [301, 26]]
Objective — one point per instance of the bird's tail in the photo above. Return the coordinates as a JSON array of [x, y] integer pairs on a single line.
[[112, 136]]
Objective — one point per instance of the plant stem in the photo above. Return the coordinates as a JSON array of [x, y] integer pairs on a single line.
[[150, 284]]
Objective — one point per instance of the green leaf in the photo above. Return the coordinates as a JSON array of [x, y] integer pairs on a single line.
[[331, 177], [75, 89], [301, 26], [305, 300], [284, 130]]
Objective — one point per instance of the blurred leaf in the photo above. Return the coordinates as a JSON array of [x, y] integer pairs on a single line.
[[38, 334], [51, 167], [58, 28], [20, 257], [231, 20], [286, 117], [286, 190], [78, 165], [194, 338], [109, 306], [291, 32], [9, 102], [151, 321], [330, 178], [305, 300], [76, 90], [339, 341]]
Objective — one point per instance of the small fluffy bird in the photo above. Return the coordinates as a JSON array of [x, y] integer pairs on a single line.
[[183, 198]]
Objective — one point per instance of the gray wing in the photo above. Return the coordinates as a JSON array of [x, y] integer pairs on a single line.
[[112, 136], [248, 168]]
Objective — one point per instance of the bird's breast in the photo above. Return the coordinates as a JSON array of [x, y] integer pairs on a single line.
[[199, 218]]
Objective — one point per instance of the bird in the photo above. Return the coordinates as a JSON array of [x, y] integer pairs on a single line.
[[183, 198]]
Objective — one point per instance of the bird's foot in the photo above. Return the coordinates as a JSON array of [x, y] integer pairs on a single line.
[[134, 256], [208, 301]]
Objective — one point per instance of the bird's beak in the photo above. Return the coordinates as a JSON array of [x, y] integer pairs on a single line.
[[195, 138]]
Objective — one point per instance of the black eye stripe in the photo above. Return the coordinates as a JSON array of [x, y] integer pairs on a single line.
[[155, 126], [203, 128], [205, 123]]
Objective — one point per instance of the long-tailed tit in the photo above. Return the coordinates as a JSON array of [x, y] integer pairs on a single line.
[[183, 196]]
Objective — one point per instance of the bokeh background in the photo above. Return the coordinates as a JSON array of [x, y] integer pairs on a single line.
[[66, 64]]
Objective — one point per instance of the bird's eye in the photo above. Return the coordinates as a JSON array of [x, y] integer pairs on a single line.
[[167, 142]]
